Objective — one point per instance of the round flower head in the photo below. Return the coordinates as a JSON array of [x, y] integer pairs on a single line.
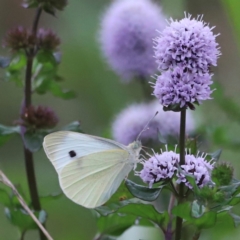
[[198, 167], [188, 43], [159, 167], [126, 34], [182, 88], [132, 120]]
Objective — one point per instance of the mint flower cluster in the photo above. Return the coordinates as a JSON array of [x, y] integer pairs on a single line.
[[127, 30], [165, 166], [132, 120], [184, 52]]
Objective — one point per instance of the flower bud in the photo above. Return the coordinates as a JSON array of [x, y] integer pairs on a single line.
[[19, 38], [47, 39], [38, 118], [222, 174]]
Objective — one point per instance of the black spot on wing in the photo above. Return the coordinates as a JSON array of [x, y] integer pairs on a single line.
[[72, 154]]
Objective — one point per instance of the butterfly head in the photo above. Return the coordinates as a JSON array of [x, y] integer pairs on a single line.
[[136, 147]]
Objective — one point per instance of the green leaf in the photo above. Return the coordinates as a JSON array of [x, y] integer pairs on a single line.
[[17, 63], [4, 198], [120, 198], [33, 139], [7, 132], [235, 218], [50, 197], [115, 224], [147, 212], [58, 92], [20, 218], [216, 155], [73, 126], [183, 210], [4, 62], [142, 192], [206, 220]]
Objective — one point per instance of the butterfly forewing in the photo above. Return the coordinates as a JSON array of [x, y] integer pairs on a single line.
[[64, 147], [91, 180]]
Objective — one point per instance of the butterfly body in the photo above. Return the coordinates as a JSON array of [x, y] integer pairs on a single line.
[[90, 168]]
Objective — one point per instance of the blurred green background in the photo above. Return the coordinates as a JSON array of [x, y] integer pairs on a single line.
[[100, 96]]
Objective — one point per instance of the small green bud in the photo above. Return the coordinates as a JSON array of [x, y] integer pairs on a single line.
[[219, 197], [222, 174]]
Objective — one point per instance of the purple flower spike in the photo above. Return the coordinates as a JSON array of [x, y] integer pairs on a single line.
[[159, 167], [188, 43], [181, 87], [199, 168], [126, 34]]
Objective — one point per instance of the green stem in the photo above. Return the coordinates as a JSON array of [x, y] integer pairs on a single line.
[[178, 231], [28, 155]]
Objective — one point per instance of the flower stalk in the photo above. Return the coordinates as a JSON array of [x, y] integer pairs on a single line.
[[182, 139], [28, 155]]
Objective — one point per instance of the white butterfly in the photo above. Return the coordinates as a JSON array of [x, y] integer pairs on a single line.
[[90, 168]]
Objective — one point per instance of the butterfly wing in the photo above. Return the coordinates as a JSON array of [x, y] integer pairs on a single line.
[[64, 147], [91, 180]]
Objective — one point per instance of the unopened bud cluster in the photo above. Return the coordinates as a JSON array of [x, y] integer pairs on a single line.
[[38, 118], [21, 38]]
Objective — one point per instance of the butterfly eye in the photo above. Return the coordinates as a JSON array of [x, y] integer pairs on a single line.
[[72, 154]]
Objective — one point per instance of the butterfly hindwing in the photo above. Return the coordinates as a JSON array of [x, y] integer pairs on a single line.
[[91, 180]]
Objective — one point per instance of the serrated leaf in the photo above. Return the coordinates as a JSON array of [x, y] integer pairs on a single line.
[[142, 192], [4, 62], [73, 126]]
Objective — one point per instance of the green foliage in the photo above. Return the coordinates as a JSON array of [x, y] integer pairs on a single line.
[[142, 192], [189, 213], [7, 132], [45, 75], [16, 214], [14, 70]]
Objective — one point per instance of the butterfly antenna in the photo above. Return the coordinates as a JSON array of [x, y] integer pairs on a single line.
[[146, 126]]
